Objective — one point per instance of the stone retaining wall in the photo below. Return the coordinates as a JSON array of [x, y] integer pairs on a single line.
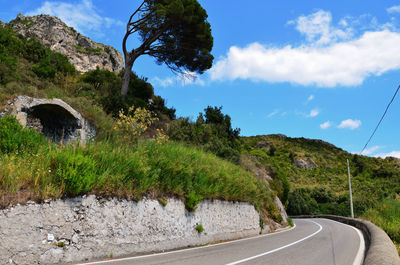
[[84, 228]]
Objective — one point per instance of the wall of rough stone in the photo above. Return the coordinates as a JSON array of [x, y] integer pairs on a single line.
[[82, 228]]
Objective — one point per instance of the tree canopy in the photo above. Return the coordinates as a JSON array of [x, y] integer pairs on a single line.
[[174, 32]]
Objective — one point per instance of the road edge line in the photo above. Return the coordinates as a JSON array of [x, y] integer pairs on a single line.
[[358, 260], [280, 248], [187, 249]]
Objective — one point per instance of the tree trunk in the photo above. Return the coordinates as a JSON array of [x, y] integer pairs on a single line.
[[129, 60]]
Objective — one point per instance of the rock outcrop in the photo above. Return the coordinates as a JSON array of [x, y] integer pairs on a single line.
[[2, 24], [81, 51], [263, 144], [51, 117], [304, 162], [281, 208]]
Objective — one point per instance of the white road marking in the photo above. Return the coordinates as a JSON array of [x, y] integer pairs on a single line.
[[358, 260], [280, 248], [186, 249]]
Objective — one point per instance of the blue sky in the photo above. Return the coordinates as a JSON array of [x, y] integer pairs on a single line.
[[314, 69]]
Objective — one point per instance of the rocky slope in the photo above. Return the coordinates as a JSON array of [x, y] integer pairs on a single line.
[[82, 52]]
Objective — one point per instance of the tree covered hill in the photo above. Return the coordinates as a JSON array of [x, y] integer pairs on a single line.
[[317, 174], [311, 176]]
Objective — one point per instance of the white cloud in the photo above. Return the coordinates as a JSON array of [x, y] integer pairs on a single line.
[[371, 150], [325, 125], [187, 78], [318, 28], [82, 16], [328, 59], [166, 82], [392, 154], [311, 97], [273, 113], [313, 113], [350, 124], [393, 9]]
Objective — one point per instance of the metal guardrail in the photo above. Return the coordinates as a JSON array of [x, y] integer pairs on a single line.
[[380, 250]]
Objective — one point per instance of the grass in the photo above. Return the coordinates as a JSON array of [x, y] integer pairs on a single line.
[[113, 168], [386, 215]]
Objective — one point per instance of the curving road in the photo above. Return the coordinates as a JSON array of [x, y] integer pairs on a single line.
[[316, 241]]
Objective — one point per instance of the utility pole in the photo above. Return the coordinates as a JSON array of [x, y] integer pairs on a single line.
[[351, 197]]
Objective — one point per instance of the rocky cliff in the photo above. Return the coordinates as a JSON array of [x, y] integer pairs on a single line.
[[82, 52]]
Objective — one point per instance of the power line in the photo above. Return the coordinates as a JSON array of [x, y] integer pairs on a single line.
[[379, 123]]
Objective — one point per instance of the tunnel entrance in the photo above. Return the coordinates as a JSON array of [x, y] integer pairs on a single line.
[[52, 118], [54, 122]]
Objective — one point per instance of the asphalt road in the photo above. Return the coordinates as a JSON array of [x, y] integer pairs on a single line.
[[312, 241]]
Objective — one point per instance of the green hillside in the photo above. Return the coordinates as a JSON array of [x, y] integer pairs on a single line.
[[322, 186]]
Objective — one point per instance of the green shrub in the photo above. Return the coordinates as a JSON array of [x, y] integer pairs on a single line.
[[99, 78], [162, 201], [199, 228], [61, 244], [212, 133], [44, 69], [301, 203], [51, 64], [15, 138], [261, 224], [47, 63], [290, 221], [386, 172], [192, 199], [157, 105]]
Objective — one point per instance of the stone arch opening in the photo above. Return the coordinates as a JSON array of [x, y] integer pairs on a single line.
[[53, 121]]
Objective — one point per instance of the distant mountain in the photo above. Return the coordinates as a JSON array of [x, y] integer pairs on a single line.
[[82, 52]]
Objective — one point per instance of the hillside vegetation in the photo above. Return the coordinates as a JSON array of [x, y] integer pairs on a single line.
[[131, 156], [321, 187], [31, 69]]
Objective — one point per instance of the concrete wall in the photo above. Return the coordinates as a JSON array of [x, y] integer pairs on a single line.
[[87, 227]]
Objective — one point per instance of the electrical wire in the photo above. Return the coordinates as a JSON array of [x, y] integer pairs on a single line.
[[379, 123]]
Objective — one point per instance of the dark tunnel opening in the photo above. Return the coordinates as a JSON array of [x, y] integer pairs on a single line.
[[54, 122]]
